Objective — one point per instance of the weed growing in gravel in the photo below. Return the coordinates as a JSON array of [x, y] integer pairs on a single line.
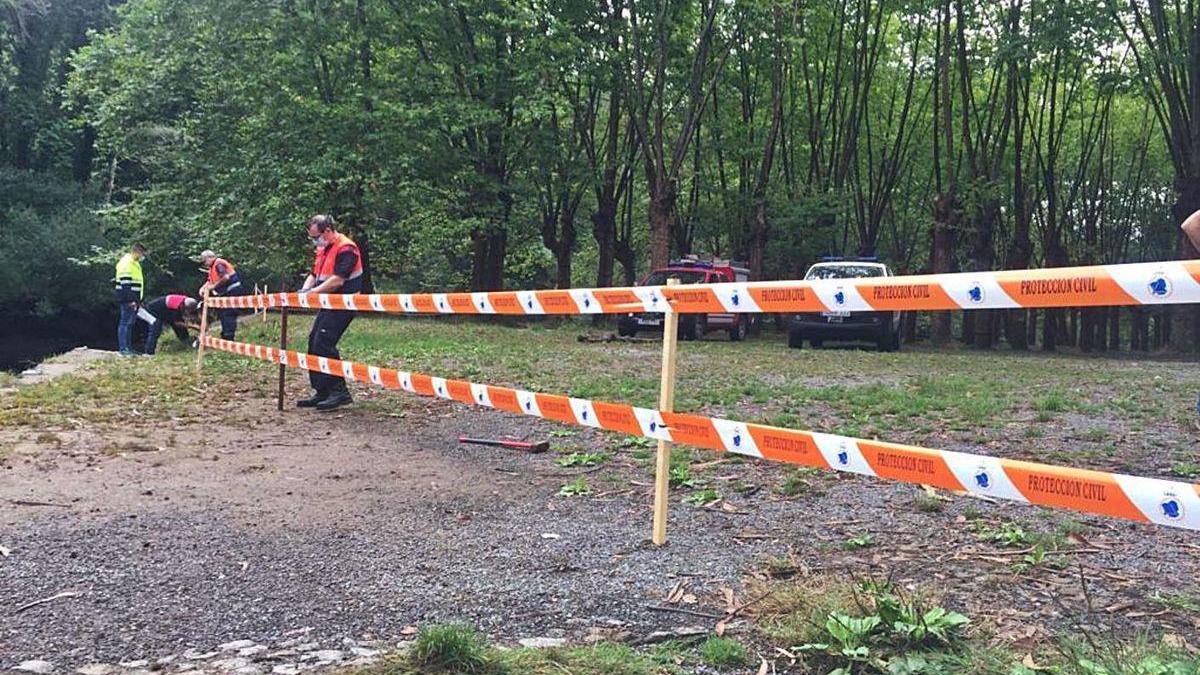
[[799, 481], [582, 459], [702, 497], [1186, 469], [723, 652], [858, 627], [576, 488], [1007, 533], [865, 540], [1188, 602], [928, 504], [451, 648]]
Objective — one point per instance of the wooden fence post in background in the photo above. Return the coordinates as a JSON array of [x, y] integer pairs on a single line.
[[203, 332], [283, 344], [666, 403]]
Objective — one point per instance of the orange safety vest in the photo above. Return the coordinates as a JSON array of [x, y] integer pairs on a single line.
[[214, 277], [327, 257]]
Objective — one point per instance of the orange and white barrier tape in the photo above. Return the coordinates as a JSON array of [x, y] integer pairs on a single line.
[[1160, 283], [1164, 502]]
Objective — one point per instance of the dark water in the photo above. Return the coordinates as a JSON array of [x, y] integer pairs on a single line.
[[25, 341]]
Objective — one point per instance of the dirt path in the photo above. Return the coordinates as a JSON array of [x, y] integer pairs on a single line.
[[359, 525]]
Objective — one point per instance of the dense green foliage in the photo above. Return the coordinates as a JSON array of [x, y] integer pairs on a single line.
[[467, 143]]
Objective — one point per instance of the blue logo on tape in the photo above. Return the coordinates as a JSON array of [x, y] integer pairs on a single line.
[[1160, 287], [737, 440], [530, 303], [983, 480], [735, 299], [653, 426], [843, 458], [976, 293], [583, 414], [839, 298], [528, 404], [587, 302], [1172, 509]]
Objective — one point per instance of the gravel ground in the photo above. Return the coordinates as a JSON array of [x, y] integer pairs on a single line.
[[361, 525]]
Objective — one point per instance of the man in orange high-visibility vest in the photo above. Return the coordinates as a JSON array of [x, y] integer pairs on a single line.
[[1191, 227], [337, 268], [222, 280]]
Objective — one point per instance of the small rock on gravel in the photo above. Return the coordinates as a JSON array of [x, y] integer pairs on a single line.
[[328, 655], [253, 651], [285, 669], [231, 664], [235, 645], [96, 669], [541, 642], [36, 666]]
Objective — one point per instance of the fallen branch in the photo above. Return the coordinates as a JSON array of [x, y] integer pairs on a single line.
[[684, 610], [57, 596], [29, 502]]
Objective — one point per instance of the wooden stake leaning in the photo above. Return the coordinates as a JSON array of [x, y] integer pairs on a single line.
[[666, 403], [203, 332]]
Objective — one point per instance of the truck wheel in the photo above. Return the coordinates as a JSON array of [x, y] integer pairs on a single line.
[[689, 328], [890, 342], [795, 340], [738, 332]]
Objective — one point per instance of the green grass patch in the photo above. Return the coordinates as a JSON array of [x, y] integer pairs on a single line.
[[723, 652], [452, 648]]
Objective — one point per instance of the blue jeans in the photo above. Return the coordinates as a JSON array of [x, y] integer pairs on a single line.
[[125, 326]]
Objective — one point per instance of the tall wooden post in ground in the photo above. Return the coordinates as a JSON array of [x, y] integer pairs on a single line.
[[283, 343], [666, 403], [203, 332]]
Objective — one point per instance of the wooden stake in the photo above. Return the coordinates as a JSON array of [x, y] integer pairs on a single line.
[[283, 343], [203, 332], [666, 403]]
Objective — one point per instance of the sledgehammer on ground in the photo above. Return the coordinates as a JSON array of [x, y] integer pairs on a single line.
[[540, 446]]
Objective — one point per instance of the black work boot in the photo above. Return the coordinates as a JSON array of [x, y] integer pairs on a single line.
[[312, 401], [338, 396]]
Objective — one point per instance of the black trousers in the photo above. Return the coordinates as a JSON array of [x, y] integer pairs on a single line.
[[229, 317], [327, 329]]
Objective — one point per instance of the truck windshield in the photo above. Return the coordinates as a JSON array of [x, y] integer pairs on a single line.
[[660, 277], [843, 272]]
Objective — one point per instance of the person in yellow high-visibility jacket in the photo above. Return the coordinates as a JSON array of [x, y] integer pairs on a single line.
[[127, 291]]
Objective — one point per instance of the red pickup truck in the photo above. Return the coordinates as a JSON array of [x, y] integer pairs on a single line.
[[692, 270]]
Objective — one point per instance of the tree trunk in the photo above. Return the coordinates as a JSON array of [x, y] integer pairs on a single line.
[[604, 229], [662, 219], [945, 220]]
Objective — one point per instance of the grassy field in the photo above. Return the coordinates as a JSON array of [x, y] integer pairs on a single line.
[[1129, 414]]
